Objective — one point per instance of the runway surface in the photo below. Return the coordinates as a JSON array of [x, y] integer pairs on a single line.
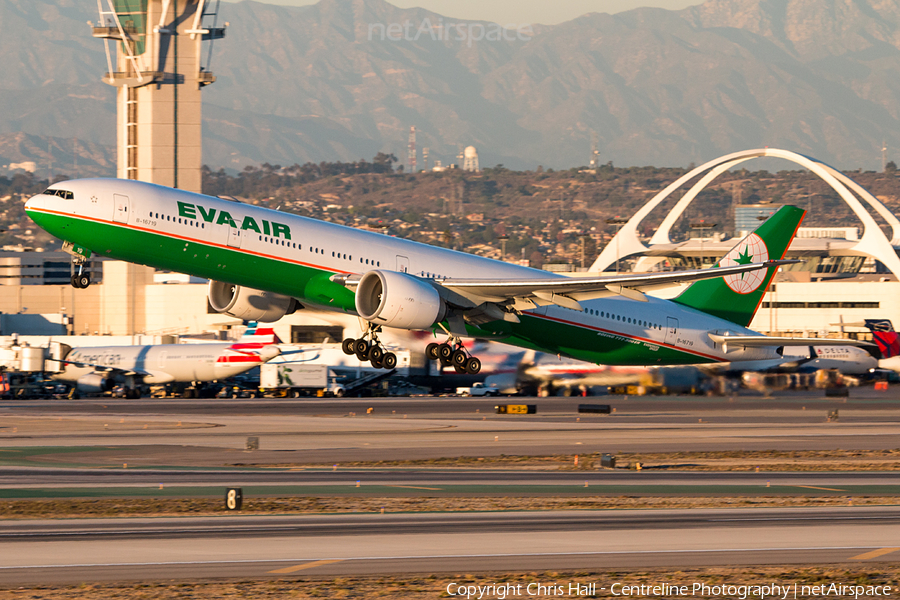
[[28, 482], [51, 477], [72, 551], [105, 447], [215, 432]]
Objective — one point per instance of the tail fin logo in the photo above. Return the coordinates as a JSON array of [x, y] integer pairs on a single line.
[[752, 249], [885, 337]]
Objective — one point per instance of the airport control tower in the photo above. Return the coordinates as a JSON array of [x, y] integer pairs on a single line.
[[159, 69]]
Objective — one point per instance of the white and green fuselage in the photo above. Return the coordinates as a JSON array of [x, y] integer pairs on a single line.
[[297, 256]]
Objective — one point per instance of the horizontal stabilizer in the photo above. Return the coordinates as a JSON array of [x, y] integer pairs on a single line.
[[761, 341]]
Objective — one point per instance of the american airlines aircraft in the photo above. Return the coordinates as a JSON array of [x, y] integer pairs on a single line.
[[263, 264], [99, 369]]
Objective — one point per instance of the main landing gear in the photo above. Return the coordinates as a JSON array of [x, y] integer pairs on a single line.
[[368, 348], [80, 280], [453, 353]]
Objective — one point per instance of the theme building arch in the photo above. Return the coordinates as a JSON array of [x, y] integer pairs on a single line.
[[873, 243]]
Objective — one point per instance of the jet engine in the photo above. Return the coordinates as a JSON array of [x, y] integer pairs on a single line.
[[94, 383], [249, 304], [398, 300]]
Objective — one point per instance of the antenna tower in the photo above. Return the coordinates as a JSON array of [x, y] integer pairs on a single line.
[[412, 149], [595, 153], [425, 158]]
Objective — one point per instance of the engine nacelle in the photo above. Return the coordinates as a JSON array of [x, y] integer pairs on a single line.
[[248, 304], [398, 300], [94, 383]]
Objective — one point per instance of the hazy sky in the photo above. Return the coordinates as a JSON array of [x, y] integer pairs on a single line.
[[520, 11]]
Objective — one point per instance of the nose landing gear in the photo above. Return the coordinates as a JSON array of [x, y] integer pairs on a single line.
[[81, 279], [368, 348]]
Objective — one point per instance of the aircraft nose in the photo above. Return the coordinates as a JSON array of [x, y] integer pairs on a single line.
[[37, 202]]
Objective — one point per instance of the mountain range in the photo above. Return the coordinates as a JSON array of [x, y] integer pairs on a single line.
[[327, 82]]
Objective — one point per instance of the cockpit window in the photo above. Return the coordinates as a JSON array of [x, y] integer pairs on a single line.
[[64, 194]]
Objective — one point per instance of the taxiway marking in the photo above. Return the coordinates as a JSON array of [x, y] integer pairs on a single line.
[[309, 565], [874, 554]]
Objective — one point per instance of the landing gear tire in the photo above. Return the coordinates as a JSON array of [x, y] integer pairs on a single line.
[[375, 354], [361, 347], [347, 346], [378, 363], [389, 361], [459, 358], [459, 369], [431, 351], [473, 366], [81, 281], [445, 352]]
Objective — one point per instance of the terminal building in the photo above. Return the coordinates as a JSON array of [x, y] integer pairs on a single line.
[[842, 277]]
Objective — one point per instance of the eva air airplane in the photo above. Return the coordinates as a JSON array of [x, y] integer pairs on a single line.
[[263, 264]]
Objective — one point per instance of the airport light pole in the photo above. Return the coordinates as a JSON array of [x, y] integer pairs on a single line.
[[702, 226], [618, 222], [583, 235]]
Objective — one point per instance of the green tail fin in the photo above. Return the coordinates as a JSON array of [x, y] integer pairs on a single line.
[[737, 297]]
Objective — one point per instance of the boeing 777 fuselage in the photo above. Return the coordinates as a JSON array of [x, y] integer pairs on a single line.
[[263, 264]]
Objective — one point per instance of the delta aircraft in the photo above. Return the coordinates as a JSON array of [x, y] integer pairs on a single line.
[[99, 369], [263, 264]]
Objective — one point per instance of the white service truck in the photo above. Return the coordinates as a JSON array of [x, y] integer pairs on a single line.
[[478, 389], [297, 379]]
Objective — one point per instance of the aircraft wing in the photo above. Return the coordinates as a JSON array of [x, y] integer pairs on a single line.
[[523, 294], [584, 288]]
